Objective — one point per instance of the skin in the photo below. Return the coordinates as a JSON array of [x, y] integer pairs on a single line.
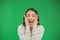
[[31, 19]]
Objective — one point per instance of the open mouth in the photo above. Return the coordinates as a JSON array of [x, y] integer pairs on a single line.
[[31, 21]]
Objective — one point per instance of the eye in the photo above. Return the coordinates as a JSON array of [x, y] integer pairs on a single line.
[[27, 15], [33, 15]]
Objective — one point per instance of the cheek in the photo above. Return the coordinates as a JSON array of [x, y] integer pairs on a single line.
[[27, 18], [34, 18]]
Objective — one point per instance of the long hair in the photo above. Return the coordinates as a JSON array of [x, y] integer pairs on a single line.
[[33, 11], [25, 14]]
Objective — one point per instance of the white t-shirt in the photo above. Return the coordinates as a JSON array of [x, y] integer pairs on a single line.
[[24, 33]]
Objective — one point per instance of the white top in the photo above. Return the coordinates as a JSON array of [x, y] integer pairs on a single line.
[[24, 34]]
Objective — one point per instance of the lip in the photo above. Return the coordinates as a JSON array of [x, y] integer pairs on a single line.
[[31, 21]]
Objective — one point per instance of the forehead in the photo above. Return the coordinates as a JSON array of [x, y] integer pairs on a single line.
[[31, 12]]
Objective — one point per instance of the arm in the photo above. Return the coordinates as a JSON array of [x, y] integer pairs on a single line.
[[37, 32], [21, 34], [27, 33], [27, 30]]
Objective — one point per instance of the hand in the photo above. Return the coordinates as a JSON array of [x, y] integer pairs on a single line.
[[27, 25], [26, 21], [36, 21]]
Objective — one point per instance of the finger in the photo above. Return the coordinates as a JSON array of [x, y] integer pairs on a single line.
[[26, 19], [36, 17], [24, 16], [36, 21]]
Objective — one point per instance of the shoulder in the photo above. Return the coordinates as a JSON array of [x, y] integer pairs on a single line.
[[20, 27], [41, 27]]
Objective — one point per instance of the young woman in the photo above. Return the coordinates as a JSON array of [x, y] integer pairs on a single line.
[[30, 29]]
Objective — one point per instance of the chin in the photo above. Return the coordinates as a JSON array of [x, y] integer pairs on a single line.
[[31, 25]]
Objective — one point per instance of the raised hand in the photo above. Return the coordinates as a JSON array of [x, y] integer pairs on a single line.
[[27, 26], [26, 21], [36, 21]]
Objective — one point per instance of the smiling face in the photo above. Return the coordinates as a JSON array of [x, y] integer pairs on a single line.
[[31, 17]]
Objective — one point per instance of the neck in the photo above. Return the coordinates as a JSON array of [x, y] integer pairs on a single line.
[[31, 29]]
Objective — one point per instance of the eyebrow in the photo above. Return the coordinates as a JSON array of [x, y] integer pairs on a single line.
[[29, 14], [32, 14]]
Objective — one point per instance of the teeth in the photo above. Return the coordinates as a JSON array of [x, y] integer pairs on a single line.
[[30, 21]]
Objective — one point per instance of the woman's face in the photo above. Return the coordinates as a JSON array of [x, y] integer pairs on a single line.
[[31, 17]]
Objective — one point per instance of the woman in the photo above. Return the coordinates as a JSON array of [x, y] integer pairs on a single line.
[[30, 29]]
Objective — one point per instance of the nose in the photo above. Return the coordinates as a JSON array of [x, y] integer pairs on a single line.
[[30, 18]]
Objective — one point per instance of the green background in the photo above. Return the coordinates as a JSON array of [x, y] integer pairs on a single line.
[[12, 11]]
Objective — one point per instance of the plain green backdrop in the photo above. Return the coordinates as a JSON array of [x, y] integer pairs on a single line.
[[12, 11]]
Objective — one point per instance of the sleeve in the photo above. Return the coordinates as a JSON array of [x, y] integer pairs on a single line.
[[37, 32], [21, 34], [27, 33]]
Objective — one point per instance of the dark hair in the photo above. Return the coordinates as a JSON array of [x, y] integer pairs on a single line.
[[27, 11]]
